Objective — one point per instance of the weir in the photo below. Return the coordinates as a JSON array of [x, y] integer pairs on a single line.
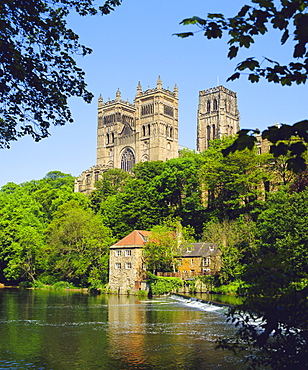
[[200, 303]]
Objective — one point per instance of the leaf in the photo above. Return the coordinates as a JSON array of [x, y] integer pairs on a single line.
[[280, 149], [192, 20], [297, 164], [243, 11], [297, 148], [299, 50], [285, 36], [249, 63], [183, 35], [253, 77], [215, 15], [234, 77], [232, 52]]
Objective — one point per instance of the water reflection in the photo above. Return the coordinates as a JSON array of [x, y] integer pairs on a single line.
[[55, 331]]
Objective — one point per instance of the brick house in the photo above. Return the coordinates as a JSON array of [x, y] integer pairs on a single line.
[[126, 269]]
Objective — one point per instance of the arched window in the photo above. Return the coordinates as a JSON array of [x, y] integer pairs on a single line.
[[215, 105], [149, 129], [208, 106], [127, 160], [112, 138], [143, 130], [107, 139], [171, 132], [208, 134], [214, 132]]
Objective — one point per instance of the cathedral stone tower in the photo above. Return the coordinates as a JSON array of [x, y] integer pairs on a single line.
[[218, 115], [144, 131]]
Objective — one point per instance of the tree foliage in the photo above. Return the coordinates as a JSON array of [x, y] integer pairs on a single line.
[[78, 244], [272, 321], [235, 240], [233, 185], [289, 17], [286, 140], [38, 72], [160, 249], [21, 234]]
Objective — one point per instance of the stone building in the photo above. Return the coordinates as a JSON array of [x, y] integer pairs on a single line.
[[146, 130], [126, 269], [218, 115], [199, 259]]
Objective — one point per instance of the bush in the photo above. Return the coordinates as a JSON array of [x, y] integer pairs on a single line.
[[162, 285], [25, 284], [232, 288], [141, 293], [38, 285], [63, 285]]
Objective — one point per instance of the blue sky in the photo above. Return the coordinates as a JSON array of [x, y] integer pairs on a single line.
[[135, 43]]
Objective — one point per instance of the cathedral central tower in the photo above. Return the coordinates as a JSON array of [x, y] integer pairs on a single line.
[[218, 115]]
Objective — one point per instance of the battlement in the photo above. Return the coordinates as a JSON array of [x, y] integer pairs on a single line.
[[216, 90]]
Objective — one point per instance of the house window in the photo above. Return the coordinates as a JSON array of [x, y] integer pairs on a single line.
[[128, 252], [128, 265], [206, 261], [192, 261], [118, 253], [118, 266]]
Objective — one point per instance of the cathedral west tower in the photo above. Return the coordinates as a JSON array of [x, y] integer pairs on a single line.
[[146, 130], [218, 115]]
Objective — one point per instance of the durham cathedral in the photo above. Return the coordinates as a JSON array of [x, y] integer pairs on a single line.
[[147, 130]]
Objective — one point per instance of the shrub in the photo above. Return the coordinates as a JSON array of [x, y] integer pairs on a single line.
[[162, 285], [63, 285]]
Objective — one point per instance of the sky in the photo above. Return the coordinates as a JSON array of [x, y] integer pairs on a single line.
[[136, 43]]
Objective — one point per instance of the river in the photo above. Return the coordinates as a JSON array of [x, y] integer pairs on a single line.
[[69, 331]]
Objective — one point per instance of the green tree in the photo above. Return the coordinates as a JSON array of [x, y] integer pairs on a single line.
[[273, 318], [21, 234], [235, 240], [161, 249], [179, 188], [112, 182], [234, 184], [77, 248], [138, 206], [164, 244], [38, 71]]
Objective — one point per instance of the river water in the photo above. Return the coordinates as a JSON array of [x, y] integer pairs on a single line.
[[67, 331]]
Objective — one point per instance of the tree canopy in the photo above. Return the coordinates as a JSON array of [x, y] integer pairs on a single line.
[[38, 72], [289, 17]]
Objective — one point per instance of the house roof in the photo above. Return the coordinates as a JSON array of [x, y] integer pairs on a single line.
[[136, 238], [198, 250]]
